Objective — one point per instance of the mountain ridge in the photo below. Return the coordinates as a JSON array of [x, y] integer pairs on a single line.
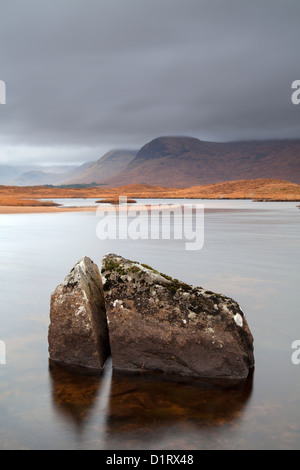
[[172, 161], [108, 166], [187, 161]]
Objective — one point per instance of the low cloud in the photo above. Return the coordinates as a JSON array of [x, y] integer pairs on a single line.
[[84, 76]]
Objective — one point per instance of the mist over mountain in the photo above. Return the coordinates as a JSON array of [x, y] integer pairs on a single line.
[[187, 161], [8, 173], [110, 165], [174, 162], [36, 175]]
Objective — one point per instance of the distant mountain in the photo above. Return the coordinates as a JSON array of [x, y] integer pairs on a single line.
[[187, 161], [106, 167], [8, 173], [76, 171], [172, 162], [35, 178], [110, 165], [37, 175]]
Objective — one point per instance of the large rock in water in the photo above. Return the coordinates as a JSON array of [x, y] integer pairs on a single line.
[[78, 333], [161, 324]]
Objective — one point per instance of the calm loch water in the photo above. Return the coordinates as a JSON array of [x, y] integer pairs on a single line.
[[251, 253]]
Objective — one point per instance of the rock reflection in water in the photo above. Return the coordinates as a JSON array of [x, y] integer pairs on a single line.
[[141, 408], [172, 413], [74, 394]]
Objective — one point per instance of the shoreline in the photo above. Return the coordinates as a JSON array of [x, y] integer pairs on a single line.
[[48, 209], [16, 199], [57, 210], [40, 199], [43, 209]]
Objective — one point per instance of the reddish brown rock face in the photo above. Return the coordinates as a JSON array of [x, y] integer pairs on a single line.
[[78, 332], [160, 324]]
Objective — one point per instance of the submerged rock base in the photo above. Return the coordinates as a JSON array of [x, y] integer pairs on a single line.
[[149, 322]]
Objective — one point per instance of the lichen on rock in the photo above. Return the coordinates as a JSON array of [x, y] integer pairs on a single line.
[[157, 323], [147, 321]]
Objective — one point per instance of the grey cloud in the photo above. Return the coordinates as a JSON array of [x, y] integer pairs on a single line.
[[97, 74]]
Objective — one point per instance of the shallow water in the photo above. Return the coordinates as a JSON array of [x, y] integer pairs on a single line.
[[251, 253]]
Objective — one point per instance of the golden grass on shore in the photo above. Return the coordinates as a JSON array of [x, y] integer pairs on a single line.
[[15, 202], [43, 209], [15, 199]]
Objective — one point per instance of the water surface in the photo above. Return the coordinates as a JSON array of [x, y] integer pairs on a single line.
[[251, 253]]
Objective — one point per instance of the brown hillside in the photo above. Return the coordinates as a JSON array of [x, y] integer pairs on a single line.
[[107, 167], [185, 161]]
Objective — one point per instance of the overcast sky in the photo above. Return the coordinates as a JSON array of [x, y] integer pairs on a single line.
[[86, 76]]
